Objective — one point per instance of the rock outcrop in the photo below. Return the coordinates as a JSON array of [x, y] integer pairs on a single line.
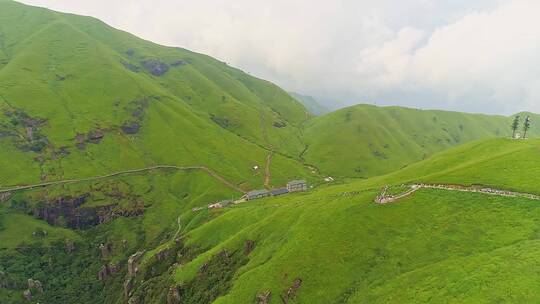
[[70, 246], [105, 251], [131, 127], [35, 285], [27, 295], [292, 291], [133, 263], [103, 273], [70, 212], [163, 254], [93, 137], [155, 67], [34, 288], [128, 287], [107, 271], [173, 296], [4, 197], [263, 297], [249, 246]]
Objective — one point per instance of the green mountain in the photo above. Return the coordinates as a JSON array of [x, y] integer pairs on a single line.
[[112, 148], [365, 140], [78, 98], [133, 135], [312, 105], [335, 245]]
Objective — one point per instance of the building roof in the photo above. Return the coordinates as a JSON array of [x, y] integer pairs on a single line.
[[257, 192], [296, 182], [279, 191]]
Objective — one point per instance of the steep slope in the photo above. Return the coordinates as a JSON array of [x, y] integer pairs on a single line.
[[79, 99], [78, 96], [379, 140], [336, 245], [84, 104]]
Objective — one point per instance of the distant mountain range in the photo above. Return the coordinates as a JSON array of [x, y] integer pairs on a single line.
[[312, 105]]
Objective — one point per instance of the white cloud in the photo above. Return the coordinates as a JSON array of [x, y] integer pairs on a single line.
[[464, 55]]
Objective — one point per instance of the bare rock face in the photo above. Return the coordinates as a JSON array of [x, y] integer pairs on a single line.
[[128, 287], [173, 296], [249, 246], [70, 246], [263, 297], [35, 285], [155, 67], [134, 300], [96, 136], [133, 263], [291, 292], [103, 273], [4, 197], [105, 251], [163, 254], [80, 141], [131, 127], [106, 271], [113, 269], [27, 295]]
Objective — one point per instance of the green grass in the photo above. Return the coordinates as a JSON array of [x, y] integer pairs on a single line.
[[434, 246], [17, 229], [201, 112], [365, 141], [503, 163]]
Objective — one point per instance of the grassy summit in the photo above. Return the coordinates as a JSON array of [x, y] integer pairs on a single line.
[[78, 98], [365, 140]]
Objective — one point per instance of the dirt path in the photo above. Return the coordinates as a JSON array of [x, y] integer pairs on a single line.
[[385, 199], [178, 230], [126, 172], [267, 170]]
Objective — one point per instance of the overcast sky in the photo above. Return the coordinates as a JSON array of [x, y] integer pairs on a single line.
[[466, 55]]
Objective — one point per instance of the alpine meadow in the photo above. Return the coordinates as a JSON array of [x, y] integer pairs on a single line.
[[132, 172]]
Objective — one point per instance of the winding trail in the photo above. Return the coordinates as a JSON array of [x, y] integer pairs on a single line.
[[385, 199], [178, 230], [125, 172]]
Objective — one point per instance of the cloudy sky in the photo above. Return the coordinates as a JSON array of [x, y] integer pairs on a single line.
[[467, 55]]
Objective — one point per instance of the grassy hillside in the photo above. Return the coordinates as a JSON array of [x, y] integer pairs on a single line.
[[365, 140], [434, 247], [78, 98]]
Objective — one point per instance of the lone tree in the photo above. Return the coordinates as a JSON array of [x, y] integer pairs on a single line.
[[526, 126], [515, 125]]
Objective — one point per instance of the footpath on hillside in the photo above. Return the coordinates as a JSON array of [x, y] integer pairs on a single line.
[[385, 198], [125, 172]]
